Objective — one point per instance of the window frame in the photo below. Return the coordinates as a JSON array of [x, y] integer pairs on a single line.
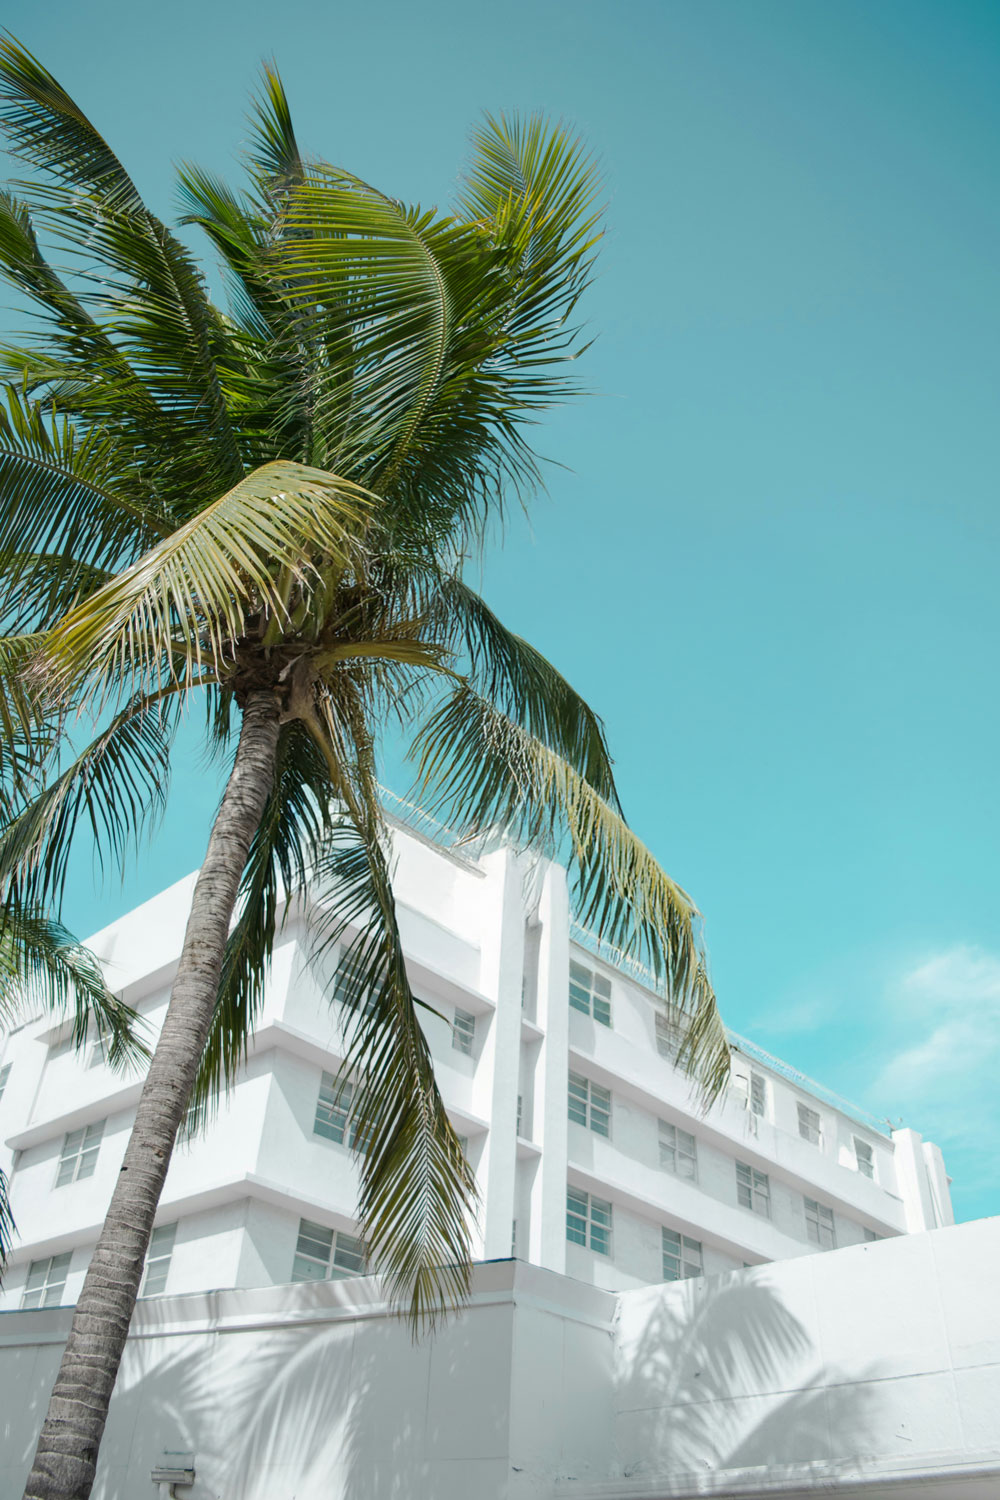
[[685, 1269], [821, 1220], [84, 1156], [596, 1113], [5, 1070], [341, 1102], [865, 1158], [758, 1094], [349, 1246], [64, 1261], [676, 1149], [806, 1115], [343, 979], [599, 1229], [589, 997], [667, 1035], [757, 1187], [97, 1048], [157, 1263], [463, 1032]]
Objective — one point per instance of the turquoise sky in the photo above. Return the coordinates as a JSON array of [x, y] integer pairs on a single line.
[[770, 560]]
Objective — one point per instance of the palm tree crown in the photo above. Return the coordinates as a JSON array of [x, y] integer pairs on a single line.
[[268, 506]]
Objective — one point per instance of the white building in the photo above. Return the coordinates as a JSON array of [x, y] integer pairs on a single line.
[[592, 1157]]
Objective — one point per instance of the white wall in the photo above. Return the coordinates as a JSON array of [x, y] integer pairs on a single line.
[[869, 1371], [877, 1362]]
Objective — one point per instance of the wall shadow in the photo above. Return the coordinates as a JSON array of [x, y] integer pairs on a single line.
[[720, 1375], [346, 1410]]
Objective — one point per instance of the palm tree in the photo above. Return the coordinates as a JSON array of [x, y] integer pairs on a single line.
[[42, 966], [267, 508]]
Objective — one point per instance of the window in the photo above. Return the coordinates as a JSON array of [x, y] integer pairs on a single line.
[[79, 1154], [669, 1037], [334, 1120], [809, 1124], [4, 1075], [513, 1238], [819, 1224], [678, 1151], [463, 1143], [161, 1247], [326, 1254], [753, 1189], [60, 1045], [346, 984], [463, 1032], [590, 993], [588, 1221], [520, 1112], [681, 1256], [871, 1236], [97, 1052], [589, 1104], [864, 1158], [46, 1281], [758, 1094]]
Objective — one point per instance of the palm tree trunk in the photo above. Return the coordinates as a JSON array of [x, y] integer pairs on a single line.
[[66, 1457]]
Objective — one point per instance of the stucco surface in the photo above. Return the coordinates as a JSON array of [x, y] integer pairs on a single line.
[[869, 1370]]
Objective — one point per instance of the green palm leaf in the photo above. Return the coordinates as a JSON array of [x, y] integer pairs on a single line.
[[481, 772], [189, 599], [175, 335], [297, 817], [519, 682], [8, 1228], [417, 1189], [25, 735], [115, 788], [43, 964], [62, 495]]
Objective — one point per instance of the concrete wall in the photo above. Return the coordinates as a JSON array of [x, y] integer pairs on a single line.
[[873, 1370], [876, 1367]]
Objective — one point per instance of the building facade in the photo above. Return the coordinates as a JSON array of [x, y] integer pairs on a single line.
[[556, 1066]]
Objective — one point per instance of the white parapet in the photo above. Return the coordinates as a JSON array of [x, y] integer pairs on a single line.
[[869, 1371]]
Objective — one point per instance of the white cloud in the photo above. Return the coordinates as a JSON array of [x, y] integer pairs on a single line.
[[944, 1079]]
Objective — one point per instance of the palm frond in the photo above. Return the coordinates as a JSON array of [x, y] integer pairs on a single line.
[[60, 494], [240, 235], [296, 816], [348, 247], [174, 336], [26, 734], [8, 1228], [47, 129], [537, 189], [274, 152], [522, 684], [482, 772], [42, 964], [417, 1189], [187, 600], [115, 787], [70, 326]]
